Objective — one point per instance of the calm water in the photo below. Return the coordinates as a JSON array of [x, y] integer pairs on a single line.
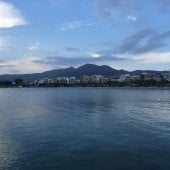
[[84, 128]]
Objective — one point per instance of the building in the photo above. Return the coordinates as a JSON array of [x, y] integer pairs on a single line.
[[146, 76], [72, 80], [97, 79], [44, 81], [158, 77], [85, 79], [166, 75], [125, 77]]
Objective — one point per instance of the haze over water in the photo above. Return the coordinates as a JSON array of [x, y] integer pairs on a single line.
[[84, 128]]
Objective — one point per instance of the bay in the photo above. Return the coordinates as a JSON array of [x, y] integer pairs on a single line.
[[84, 128]]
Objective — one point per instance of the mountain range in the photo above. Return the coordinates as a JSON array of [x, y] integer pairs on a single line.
[[87, 69]]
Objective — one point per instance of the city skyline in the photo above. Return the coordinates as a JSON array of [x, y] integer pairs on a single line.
[[41, 35]]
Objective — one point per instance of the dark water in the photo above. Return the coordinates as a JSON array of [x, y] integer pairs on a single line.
[[84, 128]]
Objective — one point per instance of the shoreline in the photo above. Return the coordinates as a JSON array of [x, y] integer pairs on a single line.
[[104, 87]]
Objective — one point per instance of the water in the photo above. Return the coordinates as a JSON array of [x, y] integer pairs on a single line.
[[84, 129]]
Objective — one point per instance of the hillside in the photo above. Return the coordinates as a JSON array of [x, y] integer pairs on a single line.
[[87, 69]]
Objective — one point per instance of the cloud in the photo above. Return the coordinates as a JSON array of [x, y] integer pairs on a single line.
[[35, 64], [34, 46], [72, 49], [6, 66], [153, 58], [152, 13], [74, 61], [109, 8], [10, 16], [95, 55], [75, 25], [2, 61], [132, 18], [143, 41], [16, 65]]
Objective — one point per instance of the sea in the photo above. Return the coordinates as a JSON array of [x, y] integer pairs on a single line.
[[84, 129]]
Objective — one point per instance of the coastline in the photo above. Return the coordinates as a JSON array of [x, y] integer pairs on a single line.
[[99, 87]]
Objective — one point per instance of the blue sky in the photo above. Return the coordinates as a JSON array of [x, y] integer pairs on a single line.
[[39, 35]]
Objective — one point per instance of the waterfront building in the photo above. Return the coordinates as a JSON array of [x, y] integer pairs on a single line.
[[85, 79], [158, 77], [166, 75], [146, 76], [44, 81], [72, 80], [125, 77], [97, 79]]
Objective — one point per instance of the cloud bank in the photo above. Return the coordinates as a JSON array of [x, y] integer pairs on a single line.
[[143, 41]]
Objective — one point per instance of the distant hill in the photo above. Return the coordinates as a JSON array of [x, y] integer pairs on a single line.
[[139, 72], [87, 69]]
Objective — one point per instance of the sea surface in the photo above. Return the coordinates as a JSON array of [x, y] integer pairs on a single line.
[[84, 129]]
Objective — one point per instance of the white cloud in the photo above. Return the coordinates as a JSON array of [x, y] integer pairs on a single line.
[[132, 18], [95, 55], [10, 16], [75, 24], [153, 58], [28, 66], [34, 46], [23, 66]]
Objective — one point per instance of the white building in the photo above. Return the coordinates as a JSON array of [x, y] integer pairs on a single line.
[[85, 79], [96, 79], [44, 81], [124, 77]]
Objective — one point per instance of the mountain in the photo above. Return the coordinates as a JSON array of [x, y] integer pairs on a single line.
[[139, 72], [87, 69]]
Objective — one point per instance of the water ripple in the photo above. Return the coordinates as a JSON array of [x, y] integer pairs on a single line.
[[84, 128]]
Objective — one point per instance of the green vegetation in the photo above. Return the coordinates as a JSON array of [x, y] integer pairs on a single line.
[[131, 83], [5, 83]]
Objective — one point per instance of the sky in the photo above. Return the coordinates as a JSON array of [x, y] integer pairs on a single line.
[[41, 35]]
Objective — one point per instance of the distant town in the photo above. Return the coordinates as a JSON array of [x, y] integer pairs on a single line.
[[124, 80]]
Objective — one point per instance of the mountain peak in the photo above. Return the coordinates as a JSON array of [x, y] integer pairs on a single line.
[[88, 65]]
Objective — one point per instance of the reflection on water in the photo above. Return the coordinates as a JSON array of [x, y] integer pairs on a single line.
[[84, 128], [8, 152]]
